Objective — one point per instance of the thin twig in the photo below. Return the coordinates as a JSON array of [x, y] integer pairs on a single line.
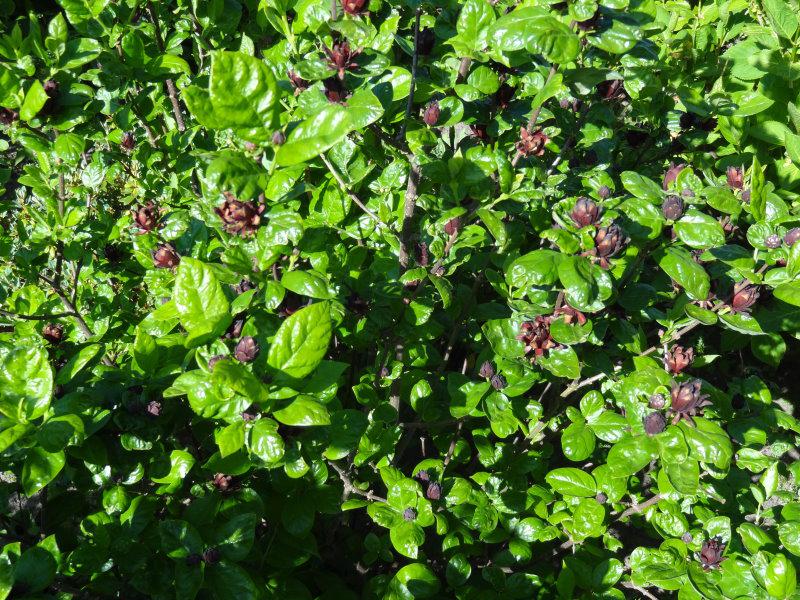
[[632, 586], [172, 92], [350, 193], [463, 69], [414, 60], [12, 315], [350, 488], [449, 456], [458, 325], [638, 508], [409, 205]]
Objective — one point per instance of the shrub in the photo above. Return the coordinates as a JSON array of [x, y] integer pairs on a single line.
[[395, 300]]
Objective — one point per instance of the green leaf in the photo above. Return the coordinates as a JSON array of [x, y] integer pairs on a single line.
[[306, 283], [179, 539], [577, 442], [78, 361], [631, 454], [758, 195], [679, 264], [407, 537], [561, 362], [537, 268], [40, 468], [782, 17], [202, 306], [315, 135], [473, 24], [26, 383], [641, 186], [265, 442], [303, 411], [302, 341], [35, 99], [780, 577], [569, 481], [414, 581], [699, 230]]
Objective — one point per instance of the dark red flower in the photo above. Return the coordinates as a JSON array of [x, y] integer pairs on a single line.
[[426, 42], [687, 401], [434, 491], [211, 556], [240, 218], [340, 57], [503, 96], [8, 116], [672, 174], [165, 257], [128, 141], [423, 476], [222, 482], [611, 89], [279, 138], [654, 423], [743, 297], [608, 241], [728, 227], [604, 192], [153, 408], [672, 207], [657, 401], [711, 553], [479, 132], [431, 114], [571, 315], [791, 236], [536, 336], [353, 7], [678, 359], [531, 143], [235, 328], [53, 333], [245, 285], [452, 226], [335, 91], [51, 89], [585, 212], [735, 177], [498, 382], [247, 349], [147, 217], [487, 370], [298, 82]]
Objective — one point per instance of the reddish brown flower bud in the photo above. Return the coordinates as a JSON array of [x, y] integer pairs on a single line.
[[498, 382], [153, 408], [657, 401], [147, 217], [214, 360], [51, 89], [608, 241], [245, 285], [165, 257], [431, 115], [743, 297], [687, 537], [672, 174], [279, 138], [678, 359], [434, 491], [585, 212], [611, 89], [536, 336], [353, 7], [247, 349], [604, 192], [487, 370], [531, 144], [53, 333], [249, 415], [452, 226], [340, 57], [211, 556], [571, 315], [8, 116], [672, 208], [654, 423], [479, 131], [423, 476], [711, 554], [410, 514], [746, 196], [791, 236], [687, 401], [503, 96], [298, 82], [240, 218], [426, 42], [235, 328], [601, 498], [222, 482], [128, 141], [773, 241], [335, 91], [735, 177]]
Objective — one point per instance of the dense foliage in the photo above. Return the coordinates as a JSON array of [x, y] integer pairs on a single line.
[[314, 299]]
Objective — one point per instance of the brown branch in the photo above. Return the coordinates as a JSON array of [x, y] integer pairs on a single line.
[[349, 488], [414, 60], [409, 205], [535, 116], [449, 456], [632, 586], [172, 91], [13, 315], [637, 508], [463, 69]]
